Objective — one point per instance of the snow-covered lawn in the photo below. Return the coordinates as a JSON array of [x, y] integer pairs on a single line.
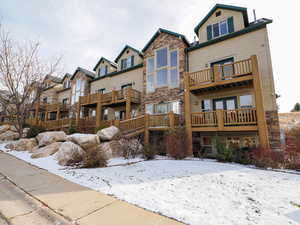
[[193, 191]]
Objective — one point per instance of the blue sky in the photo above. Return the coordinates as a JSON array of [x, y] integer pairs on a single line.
[[83, 31]]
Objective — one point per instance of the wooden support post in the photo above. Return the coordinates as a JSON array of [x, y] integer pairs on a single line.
[[58, 112], [146, 133], [117, 123], [261, 117], [220, 119], [217, 72], [99, 111], [113, 96], [172, 120], [187, 114], [78, 112], [128, 103], [36, 116]]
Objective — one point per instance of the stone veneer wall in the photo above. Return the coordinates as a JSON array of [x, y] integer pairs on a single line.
[[164, 93], [273, 128]]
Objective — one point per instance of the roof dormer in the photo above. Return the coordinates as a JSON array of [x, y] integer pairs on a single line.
[[104, 66], [66, 81], [220, 21], [128, 58]]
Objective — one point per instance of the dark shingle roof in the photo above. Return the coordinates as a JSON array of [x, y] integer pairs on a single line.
[[161, 30], [110, 62], [86, 72], [67, 75], [128, 47]]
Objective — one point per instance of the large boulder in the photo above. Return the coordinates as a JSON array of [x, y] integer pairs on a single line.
[[13, 128], [85, 141], [9, 136], [69, 154], [109, 133], [47, 138], [111, 149], [4, 128], [24, 144], [47, 150]]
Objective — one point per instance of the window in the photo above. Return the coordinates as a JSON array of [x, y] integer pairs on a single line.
[[218, 13], [206, 141], [45, 100], [105, 114], [65, 101], [174, 75], [246, 101], [101, 90], [126, 86], [163, 108], [127, 62], [206, 105], [226, 67], [150, 75], [66, 84], [78, 90], [163, 70], [219, 29], [102, 71]]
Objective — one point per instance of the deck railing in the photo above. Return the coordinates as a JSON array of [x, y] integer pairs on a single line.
[[132, 124], [204, 119], [237, 117], [245, 116], [160, 120], [220, 72]]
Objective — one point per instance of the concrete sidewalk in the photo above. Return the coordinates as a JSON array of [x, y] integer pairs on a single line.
[[72, 201]]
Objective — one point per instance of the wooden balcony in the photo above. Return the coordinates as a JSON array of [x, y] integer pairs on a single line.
[[61, 124], [113, 97], [225, 120], [54, 107], [234, 74]]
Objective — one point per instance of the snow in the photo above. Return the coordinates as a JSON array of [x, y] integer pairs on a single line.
[[196, 192]]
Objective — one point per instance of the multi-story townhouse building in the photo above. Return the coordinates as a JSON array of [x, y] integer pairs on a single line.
[[219, 86]]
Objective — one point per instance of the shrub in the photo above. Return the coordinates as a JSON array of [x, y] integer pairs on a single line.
[[224, 154], [131, 147], [102, 126], [242, 156], [34, 131], [176, 143], [94, 158], [72, 130], [267, 158], [149, 151]]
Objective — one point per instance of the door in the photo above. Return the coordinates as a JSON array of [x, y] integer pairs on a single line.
[[227, 69], [229, 103]]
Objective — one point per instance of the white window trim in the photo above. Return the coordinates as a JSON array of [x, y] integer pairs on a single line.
[[219, 26]]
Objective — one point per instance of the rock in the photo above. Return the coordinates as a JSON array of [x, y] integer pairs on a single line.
[[47, 150], [69, 154], [13, 128], [131, 147], [111, 149], [4, 128], [25, 132], [109, 133], [9, 136], [35, 149], [47, 138], [85, 141], [24, 144]]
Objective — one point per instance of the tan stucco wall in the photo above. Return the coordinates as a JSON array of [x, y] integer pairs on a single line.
[[241, 47], [64, 94], [115, 82], [105, 63], [137, 57], [238, 22]]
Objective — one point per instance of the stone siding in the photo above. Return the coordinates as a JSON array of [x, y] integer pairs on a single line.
[[273, 128]]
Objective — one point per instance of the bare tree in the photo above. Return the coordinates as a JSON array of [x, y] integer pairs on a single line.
[[22, 71]]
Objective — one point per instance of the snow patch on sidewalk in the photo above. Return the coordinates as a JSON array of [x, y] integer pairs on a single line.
[[196, 192]]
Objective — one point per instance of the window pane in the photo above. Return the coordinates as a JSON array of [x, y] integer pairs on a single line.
[[161, 108], [150, 83], [246, 101], [216, 30], [223, 27], [174, 78], [206, 105], [128, 61], [149, 108], [227, 70], [173, 58], [161, 57], [176, 107], [162, 77], [150, 65]]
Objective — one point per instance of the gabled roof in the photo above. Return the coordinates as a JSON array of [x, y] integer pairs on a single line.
[[110, 62], [258, 24], [221, 6], [66, 75], [128, 47], [53, 78], [86, 72], [161, 30]]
